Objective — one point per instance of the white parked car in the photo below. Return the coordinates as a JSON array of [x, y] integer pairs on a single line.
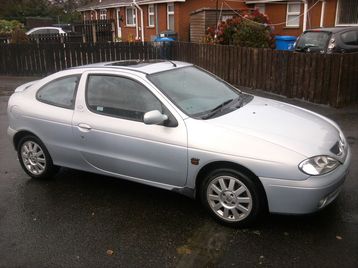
[[175, 126], [45, 30]]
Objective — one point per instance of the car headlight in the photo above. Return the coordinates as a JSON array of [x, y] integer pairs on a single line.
[[318, 165]]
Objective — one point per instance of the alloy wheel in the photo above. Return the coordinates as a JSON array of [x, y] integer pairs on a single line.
[[229, 198], [33, 157]]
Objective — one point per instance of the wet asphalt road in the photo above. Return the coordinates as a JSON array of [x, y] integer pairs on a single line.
[[74, 219]]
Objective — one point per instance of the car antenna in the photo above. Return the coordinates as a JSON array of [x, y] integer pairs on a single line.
[[172, 62]]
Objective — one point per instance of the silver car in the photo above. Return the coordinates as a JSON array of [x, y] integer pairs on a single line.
[[175, 126]]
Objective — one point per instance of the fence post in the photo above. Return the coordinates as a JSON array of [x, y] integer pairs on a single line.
[[94, 35], [114, 32], [339, 96]]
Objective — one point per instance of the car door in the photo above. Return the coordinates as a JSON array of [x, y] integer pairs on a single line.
[[112, 137]]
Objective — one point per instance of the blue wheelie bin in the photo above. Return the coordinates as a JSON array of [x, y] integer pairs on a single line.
[[164, 40], [285, 42]]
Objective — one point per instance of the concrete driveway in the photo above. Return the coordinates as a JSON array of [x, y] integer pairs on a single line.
[[85, 220]]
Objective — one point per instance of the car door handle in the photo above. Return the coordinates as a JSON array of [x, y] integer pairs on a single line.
[[84, 127]]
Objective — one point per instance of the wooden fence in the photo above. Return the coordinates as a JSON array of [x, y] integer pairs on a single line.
[[57, 38], [319, 78], [325, 79], [43, 59]]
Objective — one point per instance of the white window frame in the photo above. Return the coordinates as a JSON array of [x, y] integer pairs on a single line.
[[134, 17], [170, 13], [103, 14], [151, 14], [292, 14], [337, 12]]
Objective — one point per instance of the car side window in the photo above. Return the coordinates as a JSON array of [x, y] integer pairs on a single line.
[[350, 38], [120, 97], [53, 31], [60, 92], [39, 32]]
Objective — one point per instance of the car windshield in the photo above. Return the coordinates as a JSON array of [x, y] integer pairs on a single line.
[[317, 40], [196, 92]]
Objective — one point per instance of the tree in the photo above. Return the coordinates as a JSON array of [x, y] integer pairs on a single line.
[[20, 9]]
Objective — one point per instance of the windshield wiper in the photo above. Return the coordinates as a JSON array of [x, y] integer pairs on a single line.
[[218, 108]]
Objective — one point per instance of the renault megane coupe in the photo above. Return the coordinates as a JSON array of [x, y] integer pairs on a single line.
[[178, 127]]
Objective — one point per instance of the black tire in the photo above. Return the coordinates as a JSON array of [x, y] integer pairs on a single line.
[[228, 206], [33, 162]]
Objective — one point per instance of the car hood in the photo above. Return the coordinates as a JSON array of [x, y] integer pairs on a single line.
[[286, 125], [262, 126]]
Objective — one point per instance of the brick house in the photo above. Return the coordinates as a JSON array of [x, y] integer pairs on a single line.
[[156, 15], [293, 17]]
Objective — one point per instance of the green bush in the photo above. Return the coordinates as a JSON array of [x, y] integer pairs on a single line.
[[252, 35], [249, 29], [8, 26]]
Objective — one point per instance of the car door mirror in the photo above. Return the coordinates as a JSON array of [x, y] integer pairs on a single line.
[[154, 117]]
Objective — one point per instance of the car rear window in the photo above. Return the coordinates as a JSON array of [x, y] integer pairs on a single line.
[[318, 40], [60, 92]]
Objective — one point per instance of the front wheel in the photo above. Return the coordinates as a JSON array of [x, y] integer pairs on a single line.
[[34, 158], [232, 197]]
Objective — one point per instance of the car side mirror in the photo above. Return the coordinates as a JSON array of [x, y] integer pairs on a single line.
[[154, 117]]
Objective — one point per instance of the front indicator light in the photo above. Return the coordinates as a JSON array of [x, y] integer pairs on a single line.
[[318, 165]]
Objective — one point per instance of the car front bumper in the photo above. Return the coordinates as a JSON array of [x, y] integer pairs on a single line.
[[307, 196]]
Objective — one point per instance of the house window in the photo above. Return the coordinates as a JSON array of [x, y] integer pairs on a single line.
[[130, 16], [170, 16], [347, 12], [103, 14], [260, 8], [151, 15], [293, 14]]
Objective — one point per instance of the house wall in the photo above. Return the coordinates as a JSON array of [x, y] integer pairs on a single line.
[[277, 14], [330, 13], [182, 12]]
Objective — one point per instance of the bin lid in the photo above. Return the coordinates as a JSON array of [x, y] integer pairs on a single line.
[[285, 37], [163, 39]]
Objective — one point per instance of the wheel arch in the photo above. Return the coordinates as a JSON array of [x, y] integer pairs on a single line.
[[20, 134], [226, 164]]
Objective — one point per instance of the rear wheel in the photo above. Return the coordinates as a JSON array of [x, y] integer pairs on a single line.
[[232, 197], [34, 158]]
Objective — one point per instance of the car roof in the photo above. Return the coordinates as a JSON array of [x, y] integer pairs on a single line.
[[42, 28], [333, 29], [141, 66], [47, 27]]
